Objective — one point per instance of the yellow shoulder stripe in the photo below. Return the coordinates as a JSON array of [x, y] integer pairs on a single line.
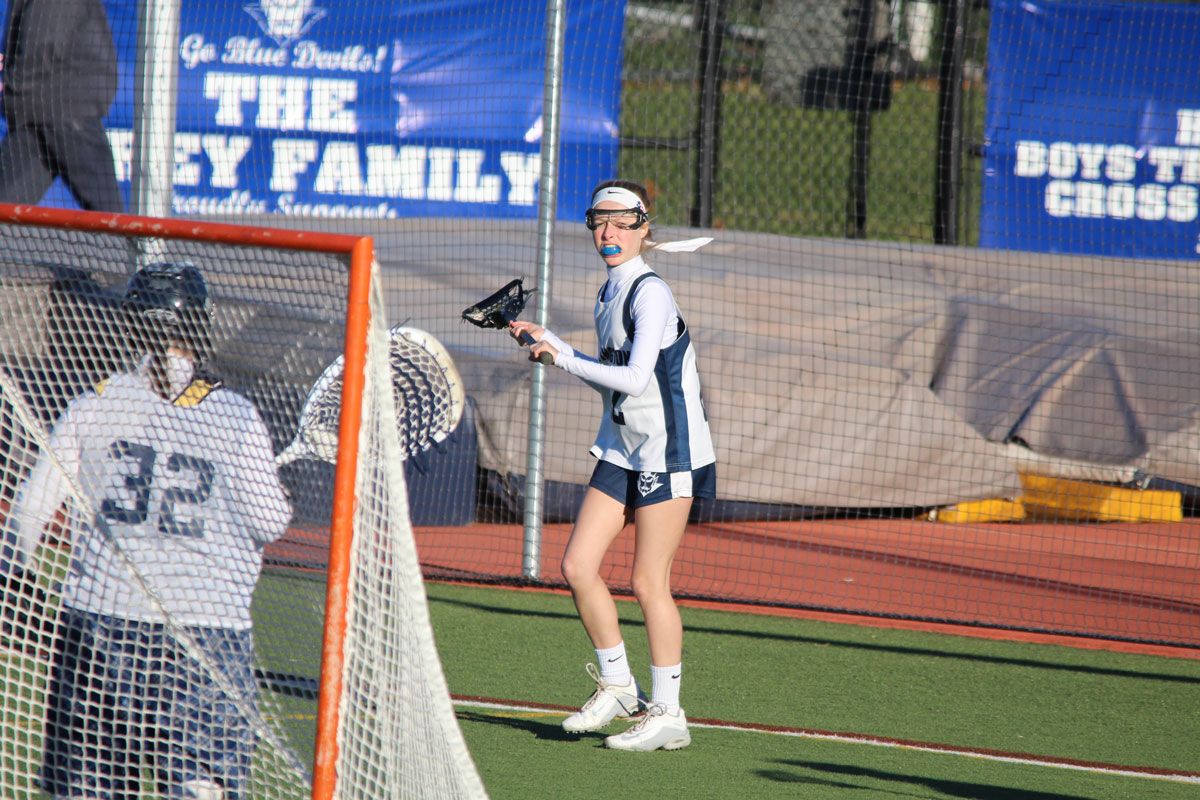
[[194, 394]]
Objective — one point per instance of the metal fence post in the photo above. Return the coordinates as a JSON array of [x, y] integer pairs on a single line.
[[153, 162], [707, 136], [547, 210], [949, 123]]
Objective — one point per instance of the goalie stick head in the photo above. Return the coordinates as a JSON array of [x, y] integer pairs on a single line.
[[166, 303], [499, 308], [426, 389]]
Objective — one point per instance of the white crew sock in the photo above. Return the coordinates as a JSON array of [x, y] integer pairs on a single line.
[[614, 666], [665, 686]]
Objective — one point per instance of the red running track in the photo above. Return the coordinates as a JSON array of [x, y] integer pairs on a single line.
[[1127, 582]]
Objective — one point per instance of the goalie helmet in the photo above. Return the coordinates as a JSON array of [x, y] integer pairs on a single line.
[[165, 303]]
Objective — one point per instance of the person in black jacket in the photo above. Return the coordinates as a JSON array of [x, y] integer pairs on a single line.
[[60, 77]]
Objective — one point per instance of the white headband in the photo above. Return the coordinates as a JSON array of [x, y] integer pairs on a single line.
[[618, 195], [630, 200]]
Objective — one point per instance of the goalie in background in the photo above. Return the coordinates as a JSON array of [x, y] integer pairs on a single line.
[[180, 497], [656, 455]]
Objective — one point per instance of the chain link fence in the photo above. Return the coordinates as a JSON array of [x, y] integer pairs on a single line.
[[857, 118]]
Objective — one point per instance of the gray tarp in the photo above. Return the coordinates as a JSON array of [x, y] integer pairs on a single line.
[[852, 374], [839, 373]]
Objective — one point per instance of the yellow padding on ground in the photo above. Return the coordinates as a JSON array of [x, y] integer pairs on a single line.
[[981, 511], [1060, 498]]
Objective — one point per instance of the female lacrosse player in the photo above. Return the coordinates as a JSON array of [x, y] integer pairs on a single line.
[[655, 454], [177, 494]]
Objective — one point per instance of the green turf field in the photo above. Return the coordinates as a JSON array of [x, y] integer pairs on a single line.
[[1044, 700], [527, 649]]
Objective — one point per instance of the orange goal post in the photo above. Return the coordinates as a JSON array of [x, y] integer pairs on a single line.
[[351, 648]]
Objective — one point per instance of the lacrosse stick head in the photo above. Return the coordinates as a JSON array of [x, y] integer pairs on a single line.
[[317, 431], [499, 308], [426, 389]]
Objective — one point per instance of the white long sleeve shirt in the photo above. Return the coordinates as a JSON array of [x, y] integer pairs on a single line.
[[185, 493], [653, 414], [653, 310]]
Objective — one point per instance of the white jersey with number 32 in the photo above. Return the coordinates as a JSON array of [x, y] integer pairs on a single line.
[[186, 493]]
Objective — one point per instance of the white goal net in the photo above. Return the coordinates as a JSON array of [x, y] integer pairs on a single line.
[[166, 581]]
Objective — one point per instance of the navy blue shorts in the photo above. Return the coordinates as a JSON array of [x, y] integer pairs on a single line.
[[636, 489], [125, 693]]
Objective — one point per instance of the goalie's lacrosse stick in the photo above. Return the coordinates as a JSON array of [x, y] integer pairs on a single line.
[[426, 386], [502, 307]]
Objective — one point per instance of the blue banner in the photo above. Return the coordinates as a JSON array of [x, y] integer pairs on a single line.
[[377, 109], [1093, 128]]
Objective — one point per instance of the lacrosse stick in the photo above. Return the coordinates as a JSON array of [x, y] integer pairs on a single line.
[[426, 386], [502, 307]]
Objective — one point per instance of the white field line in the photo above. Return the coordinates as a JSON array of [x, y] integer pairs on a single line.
[[876, 741]]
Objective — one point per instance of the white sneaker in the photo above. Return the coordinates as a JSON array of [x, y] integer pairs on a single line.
[[607, 702], [658, 728]]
